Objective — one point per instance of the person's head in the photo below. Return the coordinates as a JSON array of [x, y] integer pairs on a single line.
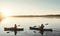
[[41, 24], [15, 24]]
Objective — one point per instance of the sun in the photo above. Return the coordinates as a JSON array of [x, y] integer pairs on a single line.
[[5, 13]]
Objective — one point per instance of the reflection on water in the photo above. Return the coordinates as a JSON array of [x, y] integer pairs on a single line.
[[53, 23]]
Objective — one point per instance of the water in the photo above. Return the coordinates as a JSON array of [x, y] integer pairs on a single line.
[[26, 22]]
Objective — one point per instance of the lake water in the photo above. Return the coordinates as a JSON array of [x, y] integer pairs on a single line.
[[26, 22]]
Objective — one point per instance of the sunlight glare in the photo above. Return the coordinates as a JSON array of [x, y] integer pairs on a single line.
[[6, 13]]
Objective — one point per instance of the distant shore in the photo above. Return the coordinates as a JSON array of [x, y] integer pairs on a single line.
[[36, 16]]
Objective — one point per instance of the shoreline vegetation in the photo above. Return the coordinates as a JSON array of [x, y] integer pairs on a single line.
[[36, 16]]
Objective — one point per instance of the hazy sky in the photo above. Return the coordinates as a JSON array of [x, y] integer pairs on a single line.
[[30, 6]]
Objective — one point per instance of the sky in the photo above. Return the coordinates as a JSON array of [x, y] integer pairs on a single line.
[[30, 7]]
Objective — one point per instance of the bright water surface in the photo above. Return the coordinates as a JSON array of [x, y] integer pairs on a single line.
[[26, 22]]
